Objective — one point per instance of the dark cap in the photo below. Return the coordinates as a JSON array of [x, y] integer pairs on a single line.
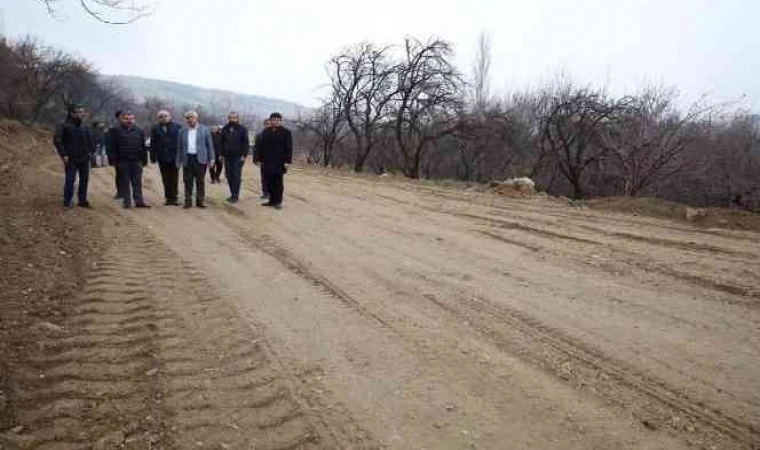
[[275, 115], [73, 107], [117, 114]]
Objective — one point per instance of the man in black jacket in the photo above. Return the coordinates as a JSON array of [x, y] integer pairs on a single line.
[[257, 160], [128, 146], [235, 145], [112, 157], [276, 152], [75, 145], [163, 149]]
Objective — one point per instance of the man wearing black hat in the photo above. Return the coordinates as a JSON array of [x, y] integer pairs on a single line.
[[276, 152], [75, 145]]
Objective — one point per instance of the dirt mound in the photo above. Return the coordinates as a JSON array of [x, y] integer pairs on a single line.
[[655, 207]]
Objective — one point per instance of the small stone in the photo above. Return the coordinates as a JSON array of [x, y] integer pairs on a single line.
[[450, 407], [151, 372], [649, 424], [17, 430]]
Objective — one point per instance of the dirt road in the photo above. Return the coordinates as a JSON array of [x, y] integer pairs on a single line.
[[373, 313]]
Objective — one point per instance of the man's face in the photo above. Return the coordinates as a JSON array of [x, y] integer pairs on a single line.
[[164, 118], [277, 122], [233, 118], [267, 123], [192, 121], [128, 119], [79, 113]]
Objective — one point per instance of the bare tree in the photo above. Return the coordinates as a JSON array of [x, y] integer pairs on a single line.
[[651, 136], [572, 130], [327, 125], [112, 12], [482, 72], [363, 86], [428, 100]]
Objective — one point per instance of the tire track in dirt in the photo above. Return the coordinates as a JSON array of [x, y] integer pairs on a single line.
[[152, 357], [271, 247], [544, 208], [653, 402], [648, 266], [91, 389]]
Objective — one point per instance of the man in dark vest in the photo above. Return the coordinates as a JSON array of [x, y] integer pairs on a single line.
[[75, 145], [257, 160], [235, 146], [128, 146], [276, 152], [163, 149]]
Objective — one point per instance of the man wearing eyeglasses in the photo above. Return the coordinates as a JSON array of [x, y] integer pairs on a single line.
[[163, 149], [195, 151]]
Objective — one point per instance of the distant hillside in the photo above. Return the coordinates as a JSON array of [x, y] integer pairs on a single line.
[[214, 99]]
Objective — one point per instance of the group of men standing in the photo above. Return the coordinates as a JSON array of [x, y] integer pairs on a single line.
[[193, 148]]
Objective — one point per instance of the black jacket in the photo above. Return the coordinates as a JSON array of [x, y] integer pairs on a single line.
[[74, 140], [163, 143], [235, 141], [217, 137], [128, 144], [257, 147], [275, 149]]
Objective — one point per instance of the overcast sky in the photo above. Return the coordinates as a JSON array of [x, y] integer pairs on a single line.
[[278, 48]]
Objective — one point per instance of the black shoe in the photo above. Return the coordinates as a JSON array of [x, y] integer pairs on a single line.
[[127, 205], [264, 196], [230, 199], [200, 204], [278, 206], [187, 205], [67, 206], [85, 205], [118, 197], [142, 205], [267, 204]]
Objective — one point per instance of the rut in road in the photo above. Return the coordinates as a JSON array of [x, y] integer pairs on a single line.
[[153, 358]]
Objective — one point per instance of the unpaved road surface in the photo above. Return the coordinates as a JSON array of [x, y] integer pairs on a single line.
[[373, 313]]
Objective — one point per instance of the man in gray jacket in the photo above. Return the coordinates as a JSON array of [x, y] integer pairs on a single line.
[[195, 151]]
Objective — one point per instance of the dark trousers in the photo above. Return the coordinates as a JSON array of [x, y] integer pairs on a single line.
[[194, 175], [234, 174], [131, 181], [117, 180], [72, 168], [264, 188], [216, 170], [170, 178], [275, 186]]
